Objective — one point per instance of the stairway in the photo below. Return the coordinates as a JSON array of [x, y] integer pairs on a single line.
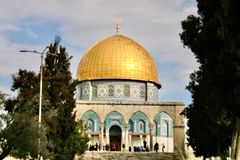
[[91, 155]]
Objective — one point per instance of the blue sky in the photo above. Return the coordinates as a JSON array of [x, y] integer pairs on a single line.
[[155, 24]]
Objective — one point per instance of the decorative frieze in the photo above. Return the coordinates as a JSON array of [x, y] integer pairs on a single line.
[[117, 91]]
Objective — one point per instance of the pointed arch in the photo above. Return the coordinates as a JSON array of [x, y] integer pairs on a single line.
[[139, 123], [114, 118], [164, 124], [91, 119], [164, 131]]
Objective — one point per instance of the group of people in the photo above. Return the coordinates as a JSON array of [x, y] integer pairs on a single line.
[[138, 149], [95, 147], [156, 147], [143, 148], [114, 147], [107, 147]]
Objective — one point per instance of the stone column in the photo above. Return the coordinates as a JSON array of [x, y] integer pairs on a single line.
[[147, 139], [126, 136], [107, 138], [89, 143], [151, 136], [130, 140], [101, 136], [122, 140], [141, 140]]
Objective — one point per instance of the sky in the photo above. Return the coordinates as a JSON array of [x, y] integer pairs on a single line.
[[155, 24]]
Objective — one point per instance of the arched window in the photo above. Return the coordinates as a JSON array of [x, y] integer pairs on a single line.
[[131, 128], [165, 128], [141, 126], [164, 124], [90, 125], [91, 120], [140, 121]]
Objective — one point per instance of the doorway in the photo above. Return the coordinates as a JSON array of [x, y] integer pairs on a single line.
[[115, 135]]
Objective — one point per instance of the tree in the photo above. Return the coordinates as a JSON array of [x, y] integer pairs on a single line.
[[59, 90], [21, 134], [58, 117], [76, 144], [214, 115], [4, 120], [23, 137], [3, 117]]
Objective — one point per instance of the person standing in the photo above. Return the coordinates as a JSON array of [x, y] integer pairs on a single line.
[[96, 147], [144, 144], [163, 147], [156, 147]]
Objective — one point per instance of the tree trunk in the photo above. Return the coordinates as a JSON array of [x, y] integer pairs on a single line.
[[235, 148]]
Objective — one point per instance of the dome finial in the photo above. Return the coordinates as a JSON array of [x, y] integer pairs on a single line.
[[117, 26]]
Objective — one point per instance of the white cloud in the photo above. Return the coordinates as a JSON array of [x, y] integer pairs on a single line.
[[8, 91], [154, 24], [7, 27], [190, 10], [11, 59]]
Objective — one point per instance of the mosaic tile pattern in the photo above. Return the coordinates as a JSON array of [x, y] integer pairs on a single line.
[[94, 90], [134, 91], [152, 92], [126, 90], [114, 118], [117, 90], [161, 119], [111, 90], [83, 91], [139, 118], [134, 126], [78, 92], [102, 91], [142, 91], [93, 120]]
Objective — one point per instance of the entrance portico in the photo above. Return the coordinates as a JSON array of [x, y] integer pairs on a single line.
[[155, 123], [115, 136]]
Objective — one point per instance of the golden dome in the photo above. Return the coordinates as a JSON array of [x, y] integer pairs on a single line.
[[117, 57]]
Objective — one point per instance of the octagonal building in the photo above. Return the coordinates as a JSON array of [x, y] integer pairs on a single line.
[[117, 97]]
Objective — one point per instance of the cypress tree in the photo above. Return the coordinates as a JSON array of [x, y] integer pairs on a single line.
[[59, 91], [214, 38]]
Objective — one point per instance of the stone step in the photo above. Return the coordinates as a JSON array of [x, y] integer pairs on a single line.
[[93, 155]]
